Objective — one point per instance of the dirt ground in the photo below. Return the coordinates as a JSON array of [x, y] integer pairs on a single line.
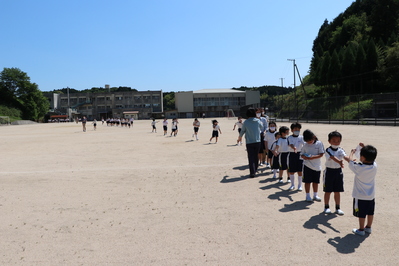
[[120, 196]]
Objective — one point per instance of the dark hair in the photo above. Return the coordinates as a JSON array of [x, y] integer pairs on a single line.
[[283, 129], [277, 133], [272, 123], [214, 121], [369, 153], [153, 119], [240, 117], [296, 124], [251, 112], [308, 135], [334, 134]]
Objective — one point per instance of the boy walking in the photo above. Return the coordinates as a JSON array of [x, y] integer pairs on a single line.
[[295, 162], [364, 187]]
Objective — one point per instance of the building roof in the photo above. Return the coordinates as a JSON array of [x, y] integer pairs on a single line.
[[218, 91]]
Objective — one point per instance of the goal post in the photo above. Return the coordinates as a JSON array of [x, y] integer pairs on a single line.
[[4, 120], [230, 114]]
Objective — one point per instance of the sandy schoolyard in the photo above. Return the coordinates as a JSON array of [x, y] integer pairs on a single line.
[[120, 196]]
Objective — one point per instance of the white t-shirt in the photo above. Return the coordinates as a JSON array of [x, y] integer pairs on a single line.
[[270, 138], [165, 122], [297, 141], [239, 124], [282, 145], [313, 149], [215, 128], [196, 123], [338, 153], [364, 183]]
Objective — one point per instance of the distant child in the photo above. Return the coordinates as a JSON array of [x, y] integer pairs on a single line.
[[174, 127], [165, 126], [282, 149], [95, 124], [262, 150], [215, 131], [364, 187], [154, 128], [270, 138], [196, 125], [295, 162], [311, 153], [238, 124], [333, 180], [274, 162]]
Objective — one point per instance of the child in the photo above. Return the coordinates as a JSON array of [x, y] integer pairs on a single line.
[[282, 149], [215, 131], [311, 153], [196, 125], [364, 187], [153, 123], [333, 176], [165, 126], [174, 127], [270, 138], [274, 163], [262, 150], [239, 126], [295, 162], [95, 124]]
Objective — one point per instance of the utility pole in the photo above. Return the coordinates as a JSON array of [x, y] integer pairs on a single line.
[[282, 80], [296, 101]]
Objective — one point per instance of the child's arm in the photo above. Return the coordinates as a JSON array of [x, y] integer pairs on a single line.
[[293, 147], [234, 127], [312, 157], [275, 151], [220, 131], [350, 157], [335, 159]]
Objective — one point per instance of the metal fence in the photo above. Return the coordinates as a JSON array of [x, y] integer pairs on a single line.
[[367, 109]]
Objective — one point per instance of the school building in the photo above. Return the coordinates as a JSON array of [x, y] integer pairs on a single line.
[[214, 102], [127, 104]]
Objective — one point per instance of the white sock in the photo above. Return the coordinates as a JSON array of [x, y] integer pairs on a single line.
[[315, 194], [299, 181], [274, 171], [292, 180], [307, 195]]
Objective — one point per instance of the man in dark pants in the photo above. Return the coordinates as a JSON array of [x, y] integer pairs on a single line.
[[252, 128]]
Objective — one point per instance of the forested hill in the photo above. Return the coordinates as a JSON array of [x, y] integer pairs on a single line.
[[358, 52]]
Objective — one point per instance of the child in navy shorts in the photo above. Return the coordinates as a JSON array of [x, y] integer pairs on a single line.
[[311, 153], [282, 150], [364, 187], [333, 180], [274, 162], [295, 162]]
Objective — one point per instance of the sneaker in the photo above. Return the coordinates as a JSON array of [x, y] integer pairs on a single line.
[[300, 189], [278, 170], [316, 198], [288, 180], [267, 165], [274, 176], [309, 199], [339, 212], [292, 187], [280, 181], [260, 164], [327, 211], [367, 230], [358, 232]]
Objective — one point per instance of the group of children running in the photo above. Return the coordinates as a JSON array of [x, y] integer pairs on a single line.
[[301, 155]]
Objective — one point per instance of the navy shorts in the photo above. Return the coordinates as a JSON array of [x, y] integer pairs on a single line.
[[262, 143], [196, 129], [165, 128], [310, 175], [333, 180], [239, 130], [283, 160], [269, 154], [215, 134], [365, 207], [295, 163]]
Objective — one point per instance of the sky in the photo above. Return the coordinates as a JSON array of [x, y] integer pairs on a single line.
[[168, 45]]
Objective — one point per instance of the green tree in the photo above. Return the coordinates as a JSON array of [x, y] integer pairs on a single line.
[[23, 94]]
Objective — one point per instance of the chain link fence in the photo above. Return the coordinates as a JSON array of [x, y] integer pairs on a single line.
[[367, 109]]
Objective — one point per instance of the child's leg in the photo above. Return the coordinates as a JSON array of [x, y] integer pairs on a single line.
[[216, 139], [307, 188], [361, 223], [370, 219], [299, 180], [291, 177], [315, 187], [327, 199], [337, 198]]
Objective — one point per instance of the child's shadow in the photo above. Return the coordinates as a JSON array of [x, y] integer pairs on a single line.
[[346, 244], [283, 193], [296, 206], [316, 221], [233, 179]]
